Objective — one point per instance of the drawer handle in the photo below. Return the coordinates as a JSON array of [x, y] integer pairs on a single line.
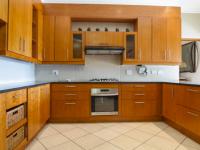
[[70, 103], [16, 96], [139, 94], [192, 114], [139, 102], [70, 86], [191, 90], [70, 94]]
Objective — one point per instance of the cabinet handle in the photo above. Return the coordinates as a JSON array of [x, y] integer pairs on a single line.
[[44, 56], [24, 42], [165, 55], [16, 96], [70, 86], [139, 94], [70, 94], [191, 90], [70, 103], [192, 114], [20, 43], [139, 102]]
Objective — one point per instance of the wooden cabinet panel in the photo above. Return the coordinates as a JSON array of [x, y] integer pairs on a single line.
[[40, 35], [104, 39], [69, 87], [141, 87], [188, 118], [44, 104], [15, 34], [3, 122], [180, 95], [144, 39], [159, 40], [4, 10], [174, 40], [48, 38], [151, 95], [169, 103], [62, 38], [15, 98], [33, 112]]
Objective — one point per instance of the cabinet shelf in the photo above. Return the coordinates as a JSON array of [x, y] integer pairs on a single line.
[[16, 126], [21, 145]]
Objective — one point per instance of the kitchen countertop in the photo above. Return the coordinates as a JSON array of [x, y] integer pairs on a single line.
[[21, 85]]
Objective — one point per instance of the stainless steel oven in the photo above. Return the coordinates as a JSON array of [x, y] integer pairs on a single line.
[[104, 101]]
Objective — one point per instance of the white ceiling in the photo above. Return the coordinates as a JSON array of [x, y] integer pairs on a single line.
[[187, 6]]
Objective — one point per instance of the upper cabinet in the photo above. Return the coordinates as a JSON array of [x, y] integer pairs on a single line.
[[20, 27], [3, 10]]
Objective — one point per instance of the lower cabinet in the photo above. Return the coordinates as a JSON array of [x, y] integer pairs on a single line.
[[141, 101], [38, 109]]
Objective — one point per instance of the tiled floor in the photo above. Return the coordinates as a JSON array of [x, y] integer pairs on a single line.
[[112, 136]]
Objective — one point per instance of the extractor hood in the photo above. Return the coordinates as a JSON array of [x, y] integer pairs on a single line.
[[103, 50]]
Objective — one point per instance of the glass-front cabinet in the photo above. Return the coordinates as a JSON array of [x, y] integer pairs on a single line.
[[78, 46], [130, 54]]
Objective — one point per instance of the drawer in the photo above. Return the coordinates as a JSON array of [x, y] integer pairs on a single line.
[[69, 87], [193, 98], [141, 95], [141, 87], [188, 118], [72, 95], [15, 98], [141, 108]]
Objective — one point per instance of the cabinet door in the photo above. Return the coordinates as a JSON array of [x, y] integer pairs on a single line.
[[130, 53], [169, 104], [4, 10], [27, 28], [44, 104], [144, 39], [62, 37], [77, 50], [48, 38], [40, 34], [15, 26], [3, 122], [159, 40], [33, 111], [174, 40]]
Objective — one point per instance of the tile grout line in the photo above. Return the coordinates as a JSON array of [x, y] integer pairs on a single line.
[[181, 143]]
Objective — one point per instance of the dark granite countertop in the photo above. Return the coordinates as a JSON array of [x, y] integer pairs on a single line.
[[21, 85]]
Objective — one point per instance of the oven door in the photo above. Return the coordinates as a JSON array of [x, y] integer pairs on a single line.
[[104, 105]]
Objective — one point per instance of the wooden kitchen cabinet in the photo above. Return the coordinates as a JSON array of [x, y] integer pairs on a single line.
[[62, 38], [20, 27], [3, 122], [3, 11], [48, 38], [144, 40], [44, 104], [33, 112], [78, 47], [169, 101], [130, 54]]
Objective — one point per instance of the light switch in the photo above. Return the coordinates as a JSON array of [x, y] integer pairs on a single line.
[[55, 72]]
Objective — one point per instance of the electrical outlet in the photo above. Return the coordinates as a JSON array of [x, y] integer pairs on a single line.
[[129, 72], [55, 72]]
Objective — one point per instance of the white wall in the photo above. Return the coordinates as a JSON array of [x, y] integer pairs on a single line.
[[104, 66], [15, 71]]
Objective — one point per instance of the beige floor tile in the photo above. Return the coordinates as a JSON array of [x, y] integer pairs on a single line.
[[172, 134], [146, 147], [162, 143], [91, 127], [107, 134], [125, 143], [122, 128], [53, 140], [106, 146], [35, 145], [66, 146], [108, 124], [182, 147], [153, 128], [47, 131], [62, 127], [139, 135], [75, 133], [89, 141], [191, 144], [133, 124]]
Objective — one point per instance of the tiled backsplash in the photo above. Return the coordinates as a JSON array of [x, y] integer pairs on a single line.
[[105, 66]]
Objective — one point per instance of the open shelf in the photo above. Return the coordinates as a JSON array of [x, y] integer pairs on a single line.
[[22, 145], [16, 126]]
